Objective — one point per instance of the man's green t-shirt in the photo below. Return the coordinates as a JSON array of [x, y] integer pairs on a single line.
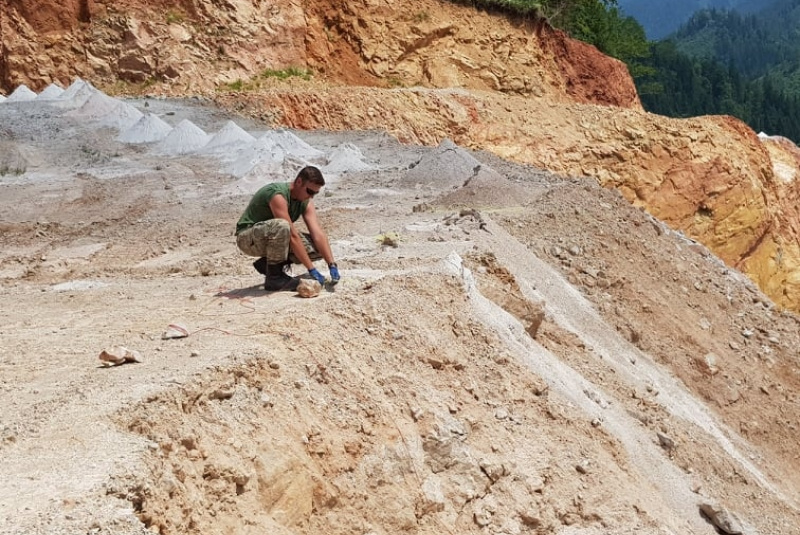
[[258, 210]]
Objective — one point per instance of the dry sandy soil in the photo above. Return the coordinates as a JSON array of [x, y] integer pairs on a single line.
[[421, 395]]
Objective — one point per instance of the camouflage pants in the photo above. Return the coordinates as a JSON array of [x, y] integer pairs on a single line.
[[270, 239]]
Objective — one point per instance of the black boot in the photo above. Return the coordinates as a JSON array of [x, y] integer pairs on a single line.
[[278, 281], [261, 265]]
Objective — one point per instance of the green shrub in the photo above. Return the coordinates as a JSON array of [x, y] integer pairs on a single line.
[[289, 72], [236, 85], [255, 83], [6, 169], [174, 17], [521, 7], [422, 16]]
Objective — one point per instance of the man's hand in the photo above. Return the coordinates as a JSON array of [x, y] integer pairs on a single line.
[[317, 275], [334, 271]]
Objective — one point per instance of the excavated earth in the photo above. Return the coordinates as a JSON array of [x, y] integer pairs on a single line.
[[549, 321], [510, 351]]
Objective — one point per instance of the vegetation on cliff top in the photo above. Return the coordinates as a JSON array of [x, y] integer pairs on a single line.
[[597, 22], [761, 44]]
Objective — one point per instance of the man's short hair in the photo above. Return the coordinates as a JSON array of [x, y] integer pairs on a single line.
[[311, 174]]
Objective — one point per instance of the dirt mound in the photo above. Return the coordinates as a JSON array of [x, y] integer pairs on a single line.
[[184, 138], [122, 117], [345, 158], [21, 94], [51, 92], [447, 167], [96, 106], [229, 138], [148, 129]]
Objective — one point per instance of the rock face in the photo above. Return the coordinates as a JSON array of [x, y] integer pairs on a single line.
[[197, 45], [426, 71]]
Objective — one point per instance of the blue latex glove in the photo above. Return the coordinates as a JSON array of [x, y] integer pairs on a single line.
[[334, 270], [317, 275]]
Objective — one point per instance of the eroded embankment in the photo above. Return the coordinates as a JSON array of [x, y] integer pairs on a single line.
[[420, 420], [435, 411]]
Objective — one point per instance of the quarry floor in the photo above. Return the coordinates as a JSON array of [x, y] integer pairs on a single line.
[[415, 396]]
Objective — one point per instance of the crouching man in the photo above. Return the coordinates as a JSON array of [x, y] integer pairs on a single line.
[[266, 230]]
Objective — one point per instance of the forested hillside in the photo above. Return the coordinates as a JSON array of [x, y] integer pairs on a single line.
[[680, 86], [761, 44], [723, 62], [660, 19]]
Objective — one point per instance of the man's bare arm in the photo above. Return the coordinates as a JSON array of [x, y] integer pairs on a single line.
[[318, 235]]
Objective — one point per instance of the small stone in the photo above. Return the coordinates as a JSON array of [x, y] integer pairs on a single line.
[[708, 364], [665, 442], [222, 393], [436, 363], [494, 471], [175, 330], [699, 286], [531, 518], [194, 354], [722, 518], [113, 355], [433, 499], [482, 518], [583, 466], [274, 365], [594, 396], [116, 355], [500, 359]]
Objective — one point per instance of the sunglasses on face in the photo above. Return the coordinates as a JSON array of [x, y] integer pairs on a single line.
[[311, 192]]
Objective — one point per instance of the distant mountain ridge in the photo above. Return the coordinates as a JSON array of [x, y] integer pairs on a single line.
[[761, 44], [660, 19]]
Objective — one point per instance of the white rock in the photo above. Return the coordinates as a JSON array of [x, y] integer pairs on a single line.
[[116, 355]]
